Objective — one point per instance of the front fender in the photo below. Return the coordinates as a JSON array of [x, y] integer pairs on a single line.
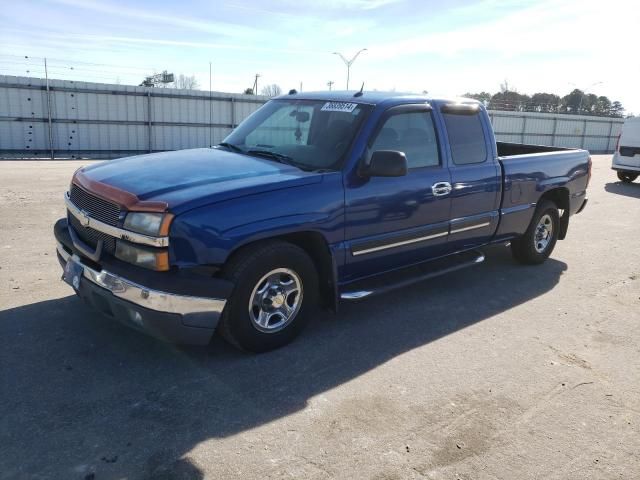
[[209, 234]]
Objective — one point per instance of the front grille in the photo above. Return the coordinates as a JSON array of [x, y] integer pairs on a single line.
[[91, 236], [96, 207], [629, 151]]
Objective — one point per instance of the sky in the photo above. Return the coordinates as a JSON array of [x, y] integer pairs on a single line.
[[445, 48]]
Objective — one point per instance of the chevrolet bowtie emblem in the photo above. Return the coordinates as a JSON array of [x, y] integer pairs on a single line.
[[84, 219]]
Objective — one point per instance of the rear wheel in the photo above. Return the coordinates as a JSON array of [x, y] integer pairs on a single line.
[[276, 288], [537, 243], [627, 177]]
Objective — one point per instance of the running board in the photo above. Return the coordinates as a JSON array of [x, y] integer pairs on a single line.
[[410, 275]]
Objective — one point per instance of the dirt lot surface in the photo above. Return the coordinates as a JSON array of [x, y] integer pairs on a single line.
[[500, 371]]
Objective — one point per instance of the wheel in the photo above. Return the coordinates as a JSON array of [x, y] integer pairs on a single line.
[[627, 177], [276, 288], [537, 243]]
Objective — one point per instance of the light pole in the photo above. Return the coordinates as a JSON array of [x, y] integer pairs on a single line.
[[348, 63], [255, 84]]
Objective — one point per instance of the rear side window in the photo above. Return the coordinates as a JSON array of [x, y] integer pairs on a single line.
[[412, 133], [466, 137]]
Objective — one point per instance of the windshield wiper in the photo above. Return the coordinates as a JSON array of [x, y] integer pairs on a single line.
[[231, 146], [278, 157]]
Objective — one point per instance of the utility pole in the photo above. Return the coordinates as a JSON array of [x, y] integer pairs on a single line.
[[255, 84], [330, 84], [348, 63], [46, 76]]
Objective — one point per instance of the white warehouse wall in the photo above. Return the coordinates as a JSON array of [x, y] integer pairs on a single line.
[[95, 120]]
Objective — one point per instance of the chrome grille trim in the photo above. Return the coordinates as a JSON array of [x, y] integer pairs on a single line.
[[119, 233], [91, 236], [103, 210]]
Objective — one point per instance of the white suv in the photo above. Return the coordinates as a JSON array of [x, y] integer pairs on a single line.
[[626, 159]]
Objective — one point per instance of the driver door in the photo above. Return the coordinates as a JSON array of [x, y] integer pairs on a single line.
[[392, 222]]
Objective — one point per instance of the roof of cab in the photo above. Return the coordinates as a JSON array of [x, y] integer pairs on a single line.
[[372, 97]]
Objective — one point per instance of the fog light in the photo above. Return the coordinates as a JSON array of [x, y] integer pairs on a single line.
[[136, 318], [151, 258]]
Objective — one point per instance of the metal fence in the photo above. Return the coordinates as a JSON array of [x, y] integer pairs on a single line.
[[596, 134], [68, 119]]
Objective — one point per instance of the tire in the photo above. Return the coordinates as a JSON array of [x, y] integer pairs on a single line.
[[531, 248], [627, 177], [293, 289]]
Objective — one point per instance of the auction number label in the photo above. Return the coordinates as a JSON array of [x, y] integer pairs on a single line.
[[339, 107]]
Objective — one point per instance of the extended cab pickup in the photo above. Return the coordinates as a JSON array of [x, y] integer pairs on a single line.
[[313, 199]]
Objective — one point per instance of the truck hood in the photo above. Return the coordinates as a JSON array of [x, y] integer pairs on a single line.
[[187, 179]]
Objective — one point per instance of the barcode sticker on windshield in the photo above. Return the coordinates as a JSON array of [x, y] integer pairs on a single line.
[[339, 107]]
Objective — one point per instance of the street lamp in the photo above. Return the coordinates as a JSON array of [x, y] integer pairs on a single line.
[[348, 63]]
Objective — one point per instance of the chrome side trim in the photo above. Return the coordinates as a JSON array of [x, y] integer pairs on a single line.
[[145, 297], [471, 227], [86, 221], [398, 244], [355, 295]]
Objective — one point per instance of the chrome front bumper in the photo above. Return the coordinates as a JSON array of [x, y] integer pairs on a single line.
[[172, 317], [145, 297]]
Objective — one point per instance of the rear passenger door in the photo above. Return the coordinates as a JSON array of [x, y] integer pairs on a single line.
[[396, 221], [475, 176]]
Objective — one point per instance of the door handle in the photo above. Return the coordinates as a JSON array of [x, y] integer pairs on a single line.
[[440, 189]]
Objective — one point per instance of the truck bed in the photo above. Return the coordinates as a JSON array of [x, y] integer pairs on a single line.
[[506, 149], [530, 170]]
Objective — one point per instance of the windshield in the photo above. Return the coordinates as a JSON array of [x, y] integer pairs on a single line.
[[310, 134]]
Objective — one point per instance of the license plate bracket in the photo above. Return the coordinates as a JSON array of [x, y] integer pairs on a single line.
[[72, 273]]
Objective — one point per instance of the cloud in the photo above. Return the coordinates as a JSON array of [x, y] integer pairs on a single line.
[[551, 28], [226, 28]]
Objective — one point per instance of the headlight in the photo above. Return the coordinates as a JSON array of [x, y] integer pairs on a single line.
[[153, 224], [151, 258]]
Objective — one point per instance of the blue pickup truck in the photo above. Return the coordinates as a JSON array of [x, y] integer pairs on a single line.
[[314, 199]]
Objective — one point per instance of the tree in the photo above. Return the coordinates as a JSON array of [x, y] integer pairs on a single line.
[[589, 102], [616, 109], [545, 102], [186, 82], [509, 100], [571, 102], [602, 106], [248, 91], [272, 90], [483, 97]]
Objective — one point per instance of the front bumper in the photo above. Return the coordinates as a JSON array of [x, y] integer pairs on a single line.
[[177, 317]]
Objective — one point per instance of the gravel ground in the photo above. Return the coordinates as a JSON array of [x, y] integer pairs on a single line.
[[500, 371]]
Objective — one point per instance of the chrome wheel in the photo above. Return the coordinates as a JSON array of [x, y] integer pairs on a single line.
[[276, 300], [543, 234]]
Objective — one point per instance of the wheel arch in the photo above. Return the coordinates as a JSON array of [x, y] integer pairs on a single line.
[[559, 196], [316, 246]]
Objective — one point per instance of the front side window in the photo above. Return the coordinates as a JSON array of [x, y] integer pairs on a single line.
[[466, 137], [412, 133], [310, 134]]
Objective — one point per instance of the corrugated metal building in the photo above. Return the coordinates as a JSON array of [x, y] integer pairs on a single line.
[[78, 119]]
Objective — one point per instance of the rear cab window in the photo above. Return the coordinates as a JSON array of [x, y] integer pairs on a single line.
[[466, 135]]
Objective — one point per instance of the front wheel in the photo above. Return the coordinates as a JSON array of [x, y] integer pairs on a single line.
[[627, 177], [537, 243], [276, 287]]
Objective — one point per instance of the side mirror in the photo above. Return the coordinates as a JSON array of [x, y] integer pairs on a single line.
[[386, 163]]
